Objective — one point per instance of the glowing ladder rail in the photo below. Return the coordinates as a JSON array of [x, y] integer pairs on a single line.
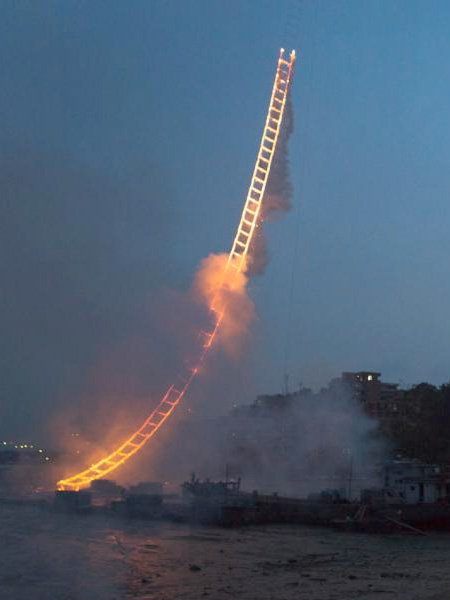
[[236, 260], [255, 195]]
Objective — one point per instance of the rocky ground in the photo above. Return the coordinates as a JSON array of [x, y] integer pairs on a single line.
[[55, 557]]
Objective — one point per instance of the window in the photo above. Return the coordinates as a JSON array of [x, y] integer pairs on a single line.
[[369, 377]]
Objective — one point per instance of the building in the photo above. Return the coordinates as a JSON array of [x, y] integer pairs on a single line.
[[23, 467], [417, 482], [382, 401]]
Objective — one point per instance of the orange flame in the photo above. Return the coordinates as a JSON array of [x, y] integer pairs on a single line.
[[224, 291]]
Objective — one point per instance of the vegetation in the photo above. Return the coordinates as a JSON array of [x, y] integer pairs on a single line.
[[424, 431]]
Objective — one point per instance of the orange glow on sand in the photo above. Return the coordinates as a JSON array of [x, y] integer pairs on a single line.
[[220, 283]]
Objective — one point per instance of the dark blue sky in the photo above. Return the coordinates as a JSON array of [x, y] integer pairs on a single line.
[[128, 137]]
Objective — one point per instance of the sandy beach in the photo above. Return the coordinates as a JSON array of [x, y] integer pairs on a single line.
[[57, 557]]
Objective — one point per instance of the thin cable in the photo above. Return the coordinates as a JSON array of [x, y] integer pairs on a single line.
[[304, 159]]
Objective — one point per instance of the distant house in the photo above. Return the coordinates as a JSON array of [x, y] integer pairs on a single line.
[[381, 401], [417, 482]]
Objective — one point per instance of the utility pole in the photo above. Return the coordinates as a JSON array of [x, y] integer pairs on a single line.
[[286, 384], [350, 477]]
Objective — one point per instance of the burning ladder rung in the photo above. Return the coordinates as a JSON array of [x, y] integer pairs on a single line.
[[149, 434], [250, 223], [163, 414], [170, 403], [127, 450], [253, 212], [271, 129], [96, 470], [258, 179], [149, 429], [103, 467], [238, 243], [244, 233]]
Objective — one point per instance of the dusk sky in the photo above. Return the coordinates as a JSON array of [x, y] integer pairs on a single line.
[[128, 138]]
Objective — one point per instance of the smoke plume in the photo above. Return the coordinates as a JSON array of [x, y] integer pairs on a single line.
[[277, 198], [218, 288], [296, 444]]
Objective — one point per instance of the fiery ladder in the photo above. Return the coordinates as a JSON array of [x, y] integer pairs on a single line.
[[236, 261], [252, 207]]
